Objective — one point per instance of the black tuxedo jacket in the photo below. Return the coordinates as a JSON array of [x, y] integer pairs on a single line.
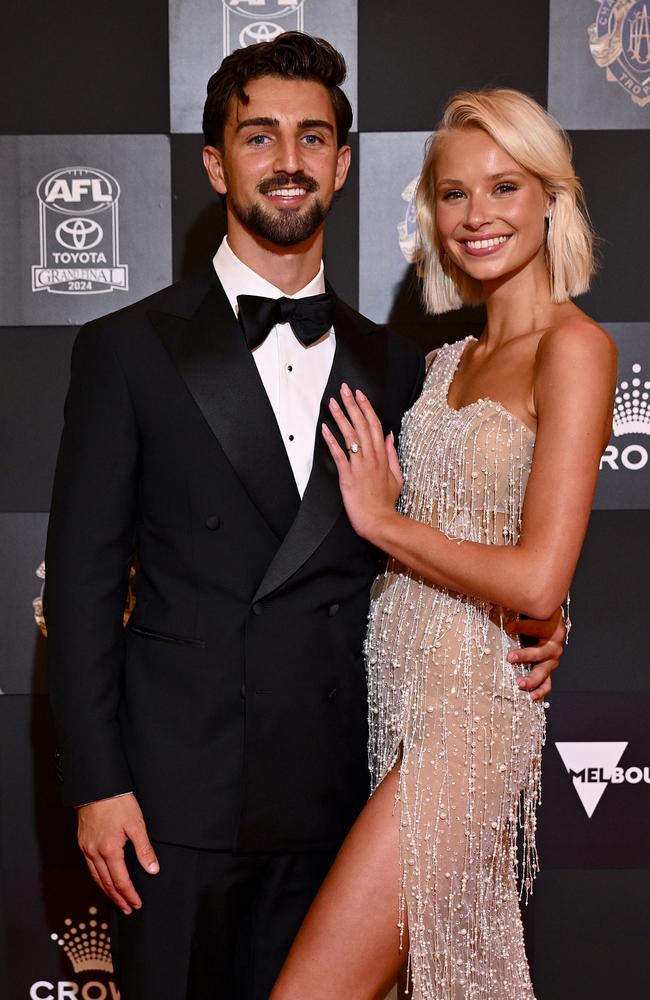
[[234, 703]]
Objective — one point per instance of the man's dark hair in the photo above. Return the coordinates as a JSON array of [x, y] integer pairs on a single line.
[[292, 55]]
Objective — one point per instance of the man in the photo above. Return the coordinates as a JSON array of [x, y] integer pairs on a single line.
[[227, 723]]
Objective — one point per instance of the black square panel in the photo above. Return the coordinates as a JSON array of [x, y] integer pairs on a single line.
[[591, 931], [608, 646], [34, 374], [613, 167], [414, 54], [79, 67], [44, 881]]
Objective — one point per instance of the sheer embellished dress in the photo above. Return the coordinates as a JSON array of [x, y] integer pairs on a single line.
[[445, 706]]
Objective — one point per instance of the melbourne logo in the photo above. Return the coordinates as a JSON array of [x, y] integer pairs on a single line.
[[594, 766], [79, 231], [246, 22], [619, 40], [631, 418], [88, 946]]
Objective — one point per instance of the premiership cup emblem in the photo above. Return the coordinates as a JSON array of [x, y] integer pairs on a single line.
[[246, 22], [407, 229], [619, 40], [79, 253]]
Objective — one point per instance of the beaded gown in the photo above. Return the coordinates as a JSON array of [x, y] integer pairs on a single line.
[[445, 705]]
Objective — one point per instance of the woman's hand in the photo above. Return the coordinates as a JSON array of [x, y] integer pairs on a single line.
[[369, 475]]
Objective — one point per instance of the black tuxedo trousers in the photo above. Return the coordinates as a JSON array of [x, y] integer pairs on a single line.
[[234, 703]]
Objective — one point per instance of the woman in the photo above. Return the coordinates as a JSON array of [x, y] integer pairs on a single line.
[[500, 457]]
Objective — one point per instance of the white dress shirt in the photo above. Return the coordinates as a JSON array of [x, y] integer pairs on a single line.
[[294, 376]]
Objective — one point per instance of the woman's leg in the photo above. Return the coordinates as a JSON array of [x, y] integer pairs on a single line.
[[348, 947]]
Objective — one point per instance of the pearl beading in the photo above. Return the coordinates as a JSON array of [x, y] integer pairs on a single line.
[[444, 704]]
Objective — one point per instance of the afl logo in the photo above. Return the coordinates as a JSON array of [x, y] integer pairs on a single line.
[[79, 256], [78, 191]]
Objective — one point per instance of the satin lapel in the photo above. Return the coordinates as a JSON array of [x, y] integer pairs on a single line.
[[360, 361], [209, 352]]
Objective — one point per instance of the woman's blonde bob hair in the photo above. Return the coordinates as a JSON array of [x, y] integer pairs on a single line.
[[534, 139]]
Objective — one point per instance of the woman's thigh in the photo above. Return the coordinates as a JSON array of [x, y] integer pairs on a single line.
[[349, 944]]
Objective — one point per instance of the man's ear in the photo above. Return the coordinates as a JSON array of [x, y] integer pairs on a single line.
[[343, 159], [213, 163]]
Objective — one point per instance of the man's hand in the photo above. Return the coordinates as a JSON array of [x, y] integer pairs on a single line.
[[104, 828], [546, 653]]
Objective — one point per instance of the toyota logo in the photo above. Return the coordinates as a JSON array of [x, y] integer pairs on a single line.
[[260, 31], [79, 234]]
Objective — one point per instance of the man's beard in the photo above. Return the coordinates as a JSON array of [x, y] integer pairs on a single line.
[[284, 227]]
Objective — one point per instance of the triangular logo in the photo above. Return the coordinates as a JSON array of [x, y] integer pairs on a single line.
[[591, 766]]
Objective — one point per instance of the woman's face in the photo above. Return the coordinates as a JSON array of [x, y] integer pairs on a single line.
[[490, 212]]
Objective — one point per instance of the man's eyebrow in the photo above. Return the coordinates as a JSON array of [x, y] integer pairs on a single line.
[[316, 123], [264, 122], [258, 123]]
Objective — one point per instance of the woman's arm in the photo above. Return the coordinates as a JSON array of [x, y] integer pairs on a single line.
[[575, 380]]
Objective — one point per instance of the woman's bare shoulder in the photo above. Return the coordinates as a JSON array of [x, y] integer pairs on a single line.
[[576, 339]]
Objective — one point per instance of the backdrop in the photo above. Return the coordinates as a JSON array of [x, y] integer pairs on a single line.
[[103, 199]]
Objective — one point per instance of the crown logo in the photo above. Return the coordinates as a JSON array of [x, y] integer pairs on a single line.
[[631, 405], [88, 946]]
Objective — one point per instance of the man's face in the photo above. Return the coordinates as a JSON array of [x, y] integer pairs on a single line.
[[280, 164]]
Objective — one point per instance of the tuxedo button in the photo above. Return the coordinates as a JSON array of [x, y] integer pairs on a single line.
[[333, 610], [257, 608], [212, 522]]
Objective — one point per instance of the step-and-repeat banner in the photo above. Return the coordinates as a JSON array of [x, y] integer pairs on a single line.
[[103, 199]]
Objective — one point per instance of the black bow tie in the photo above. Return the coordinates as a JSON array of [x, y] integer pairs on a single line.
[[309, 318]]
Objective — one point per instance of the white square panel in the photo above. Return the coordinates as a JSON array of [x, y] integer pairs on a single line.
[[599, 63], [390, 163], [87, 225], [203, 32]]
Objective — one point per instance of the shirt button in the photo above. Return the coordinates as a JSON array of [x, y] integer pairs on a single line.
[[212, 522], [291, 437], [289, 368]]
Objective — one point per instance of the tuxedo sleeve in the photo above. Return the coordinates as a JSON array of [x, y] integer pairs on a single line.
[[418, 381], [90, 547]]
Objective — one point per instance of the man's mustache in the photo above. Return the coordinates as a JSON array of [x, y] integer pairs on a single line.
[[281, 180]]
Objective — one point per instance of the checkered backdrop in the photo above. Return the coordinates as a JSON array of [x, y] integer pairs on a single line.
[[103, 199]]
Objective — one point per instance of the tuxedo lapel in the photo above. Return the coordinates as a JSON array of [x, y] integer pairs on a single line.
[[209, 352], [359, 360]]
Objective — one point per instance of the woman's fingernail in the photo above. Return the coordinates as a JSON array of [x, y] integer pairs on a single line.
[[345, 389], [521, 682], [360, 395], [512, 657], [333, 404]]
